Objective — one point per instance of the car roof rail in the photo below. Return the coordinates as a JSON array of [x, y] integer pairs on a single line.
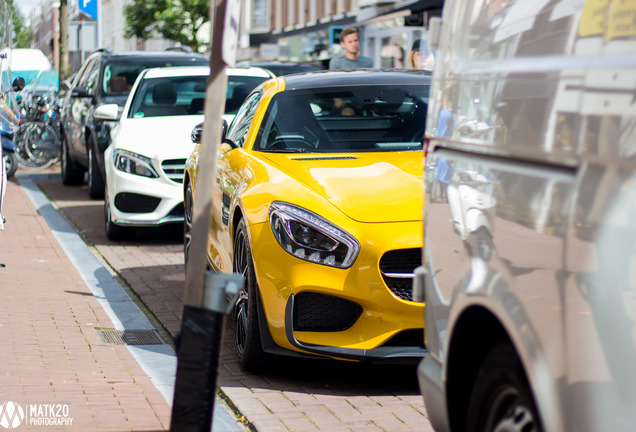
[[107, 50], [182, 48]]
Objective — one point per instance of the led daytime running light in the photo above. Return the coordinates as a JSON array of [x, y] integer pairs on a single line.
[[133, 163]]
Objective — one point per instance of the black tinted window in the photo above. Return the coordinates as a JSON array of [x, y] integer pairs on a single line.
[[118, 77], [370, 118], [171, 96]]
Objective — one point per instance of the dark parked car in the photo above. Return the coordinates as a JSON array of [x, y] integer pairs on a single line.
[[104, 78]]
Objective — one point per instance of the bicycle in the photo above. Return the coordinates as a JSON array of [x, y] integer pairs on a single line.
[[37, 139], [37, 145]]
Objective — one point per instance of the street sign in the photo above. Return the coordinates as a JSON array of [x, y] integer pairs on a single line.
[[231, 32], [89, 7]]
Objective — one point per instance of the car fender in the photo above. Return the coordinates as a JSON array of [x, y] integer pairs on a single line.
[[502, 303]]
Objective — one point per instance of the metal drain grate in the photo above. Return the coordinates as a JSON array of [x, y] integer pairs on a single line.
[[130, 337]]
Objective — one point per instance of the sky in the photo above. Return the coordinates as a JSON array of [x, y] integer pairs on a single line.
[[26, 6]]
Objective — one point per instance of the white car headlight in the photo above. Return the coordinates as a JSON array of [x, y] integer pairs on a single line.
[[133, 163], [309, 237]]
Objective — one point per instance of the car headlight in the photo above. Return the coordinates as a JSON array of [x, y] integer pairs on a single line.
[[309, 237], [133, 163]]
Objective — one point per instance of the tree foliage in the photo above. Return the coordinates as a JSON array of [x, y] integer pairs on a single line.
[[23, 36], [176, 20]]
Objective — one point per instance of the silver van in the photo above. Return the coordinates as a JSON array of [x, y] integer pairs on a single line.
[[529, 256]]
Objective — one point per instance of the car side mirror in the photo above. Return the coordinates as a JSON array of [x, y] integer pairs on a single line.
[[108, 112], [195, 135], [224, 139], [18, 84], [80, 91]]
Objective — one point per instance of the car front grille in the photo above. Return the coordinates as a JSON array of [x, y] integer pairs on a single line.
[[324, 313], [135, 203], [397, 269], [174, 168]]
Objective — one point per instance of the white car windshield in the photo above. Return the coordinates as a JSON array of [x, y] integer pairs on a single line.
[[178, 96]]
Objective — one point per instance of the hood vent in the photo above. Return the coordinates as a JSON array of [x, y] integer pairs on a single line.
[[321, 158]]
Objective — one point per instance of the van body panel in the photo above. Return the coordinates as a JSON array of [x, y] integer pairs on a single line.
[[530, 183]]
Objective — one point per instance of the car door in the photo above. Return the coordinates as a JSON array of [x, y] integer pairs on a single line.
[[229, 179]]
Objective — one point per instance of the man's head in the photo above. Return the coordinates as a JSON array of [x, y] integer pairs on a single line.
[[349, 42]]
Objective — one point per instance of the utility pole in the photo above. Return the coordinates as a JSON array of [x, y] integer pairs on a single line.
[[63, 43], [208, 297]]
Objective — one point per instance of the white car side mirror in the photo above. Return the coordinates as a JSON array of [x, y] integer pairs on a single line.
[[107, 112]]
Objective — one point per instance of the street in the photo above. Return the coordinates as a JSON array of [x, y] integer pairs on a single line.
[[296, 394]]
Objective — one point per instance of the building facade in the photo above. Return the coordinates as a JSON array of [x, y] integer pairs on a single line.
[[307, 30], [294, 30]]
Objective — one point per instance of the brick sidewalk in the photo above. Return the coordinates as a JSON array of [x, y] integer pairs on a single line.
[[51, 352]]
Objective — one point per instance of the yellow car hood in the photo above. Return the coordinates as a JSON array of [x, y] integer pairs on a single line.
[[367, 187]]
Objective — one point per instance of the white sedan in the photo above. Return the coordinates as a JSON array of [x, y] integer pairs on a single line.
[[151, 142]]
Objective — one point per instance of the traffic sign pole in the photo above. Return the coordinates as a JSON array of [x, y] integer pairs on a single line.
[[208, 297]]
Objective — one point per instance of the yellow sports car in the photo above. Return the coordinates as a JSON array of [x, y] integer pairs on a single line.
[[318, 203]]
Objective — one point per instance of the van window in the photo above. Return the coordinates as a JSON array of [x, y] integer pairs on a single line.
[[515, 29]]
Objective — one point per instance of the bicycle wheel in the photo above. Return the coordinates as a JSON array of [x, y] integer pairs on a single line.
[[37, 145]]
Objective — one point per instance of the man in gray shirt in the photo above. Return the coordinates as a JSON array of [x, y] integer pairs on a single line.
[[351, 59]]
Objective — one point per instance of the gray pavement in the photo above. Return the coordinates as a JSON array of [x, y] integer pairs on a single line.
[[157, 361]]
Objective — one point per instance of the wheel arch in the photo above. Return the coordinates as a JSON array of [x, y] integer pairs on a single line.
[[186, 181], [88, 137], [237, 215], [474, 334]]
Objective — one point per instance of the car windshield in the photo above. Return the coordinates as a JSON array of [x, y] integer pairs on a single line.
[[118, 77], [354, 119], [238, 88], [170, 96], [186, 95]]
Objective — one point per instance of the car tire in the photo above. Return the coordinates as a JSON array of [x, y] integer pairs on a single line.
[[188, 209], [247, 339], [95, 180], [71, 175], [10, 163], [501, 398], [113, 232]]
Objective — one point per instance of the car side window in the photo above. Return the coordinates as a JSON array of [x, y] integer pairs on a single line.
[[91, 77], [241, 123], [83, 75]]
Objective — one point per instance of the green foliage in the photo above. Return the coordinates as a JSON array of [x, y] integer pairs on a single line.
[[176, 20], [22, 34]]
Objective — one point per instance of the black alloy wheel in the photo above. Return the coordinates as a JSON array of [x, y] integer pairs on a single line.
[[501, 400], [71, 176], [95, 181], [245, 315], [188, 210]]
